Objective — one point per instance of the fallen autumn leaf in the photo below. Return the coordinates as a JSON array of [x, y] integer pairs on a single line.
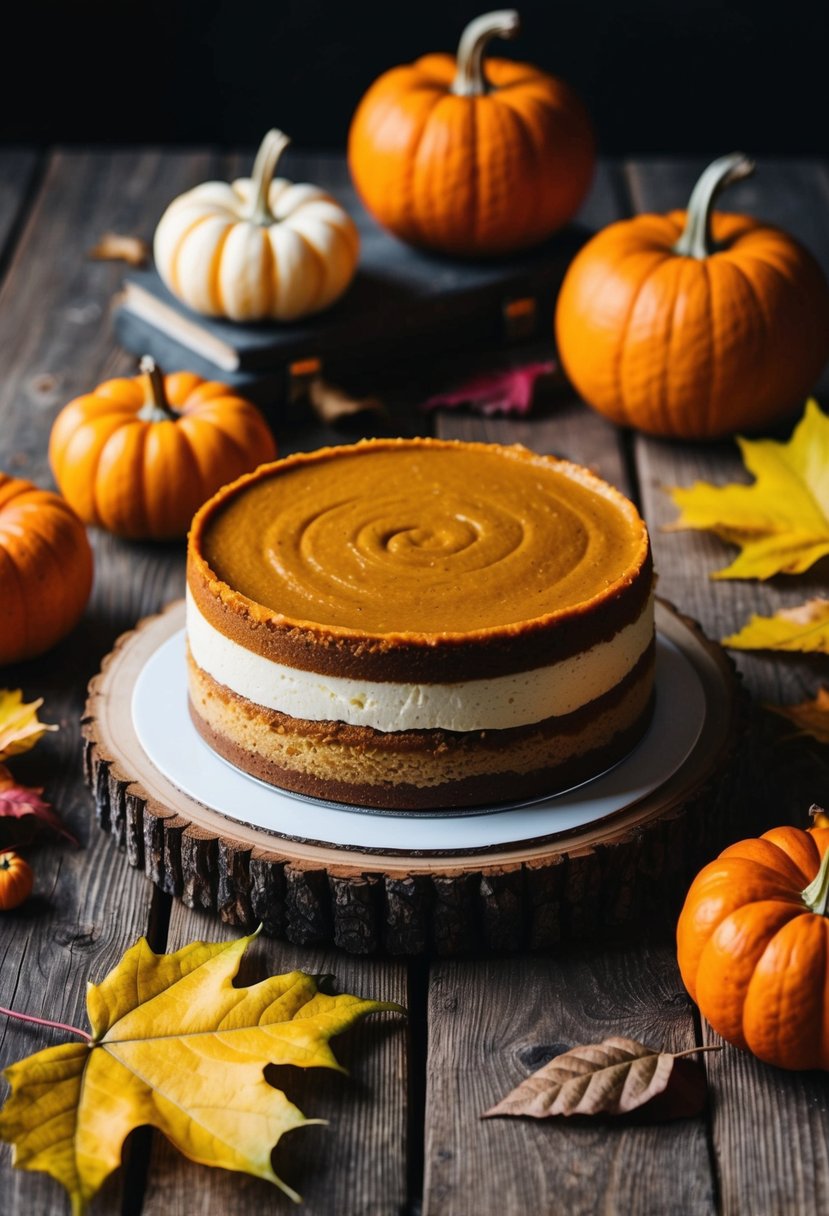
[[174, 1044], [614, 1077], [781, 521]]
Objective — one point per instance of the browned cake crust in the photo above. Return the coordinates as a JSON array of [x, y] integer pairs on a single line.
[[422, 769]]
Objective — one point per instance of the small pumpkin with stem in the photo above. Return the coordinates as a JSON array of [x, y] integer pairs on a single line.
[[139, 455], [694, 324], [257, 248], [45, 569], [752, 946], [16, 880], [471, 155]]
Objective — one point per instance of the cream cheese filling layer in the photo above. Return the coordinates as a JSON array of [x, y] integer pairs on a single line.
[[489, 704]]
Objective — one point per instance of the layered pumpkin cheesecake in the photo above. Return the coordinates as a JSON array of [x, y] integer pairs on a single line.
[[420, 624]]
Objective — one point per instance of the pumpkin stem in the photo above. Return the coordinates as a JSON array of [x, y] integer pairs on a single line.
[[469, 78], [264, 167], [816, 895], [27, 1017], [157, 408], [696, 240]]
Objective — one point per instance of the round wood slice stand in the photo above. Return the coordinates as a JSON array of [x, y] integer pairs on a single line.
[[635, 864]]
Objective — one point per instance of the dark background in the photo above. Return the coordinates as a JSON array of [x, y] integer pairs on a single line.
[[658, 76]]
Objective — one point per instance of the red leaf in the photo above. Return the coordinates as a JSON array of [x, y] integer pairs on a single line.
[[507, 392], [16, 801]]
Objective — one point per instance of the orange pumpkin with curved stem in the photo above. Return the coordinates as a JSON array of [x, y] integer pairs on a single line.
[[468, 157], [691, 324], [753, 946], [45, 569], [139, 456]]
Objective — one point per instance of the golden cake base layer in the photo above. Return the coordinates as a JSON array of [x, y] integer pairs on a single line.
[[420, 770]]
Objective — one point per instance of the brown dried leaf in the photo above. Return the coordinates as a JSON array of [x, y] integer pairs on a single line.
[[332, 404], [613, 1077], [810, 717], [116, 247]]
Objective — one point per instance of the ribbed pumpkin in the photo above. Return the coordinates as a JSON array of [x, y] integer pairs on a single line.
[[691, 324], [467, 158], [257, 248], [753, 946], [139, 455], [45, 569]]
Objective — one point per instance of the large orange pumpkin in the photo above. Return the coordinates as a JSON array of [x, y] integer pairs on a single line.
[[45, 569], [691, 324], [468, 158], [753, 946], [138, 456]]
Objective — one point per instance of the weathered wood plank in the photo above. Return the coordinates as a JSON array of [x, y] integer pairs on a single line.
[[769, 1135], [89, 905], [357, 1164], [18, 167], [491, 1024]]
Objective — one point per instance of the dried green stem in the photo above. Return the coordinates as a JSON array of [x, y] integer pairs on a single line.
[[157, 407], [470, 80], [264, 167], [816, 895], [696, 240]]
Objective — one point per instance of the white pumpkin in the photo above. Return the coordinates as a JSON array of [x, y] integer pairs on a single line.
[[257, 248]]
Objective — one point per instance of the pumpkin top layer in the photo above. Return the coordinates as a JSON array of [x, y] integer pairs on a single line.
[[420, 537]]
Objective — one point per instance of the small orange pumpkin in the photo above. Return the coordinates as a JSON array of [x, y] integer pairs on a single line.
[[470, 161], [691, 324], [753, 944], [16, 881], [139, 456], [45, 569]]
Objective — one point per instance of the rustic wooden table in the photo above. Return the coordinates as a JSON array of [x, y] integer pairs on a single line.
[[404, 1133]]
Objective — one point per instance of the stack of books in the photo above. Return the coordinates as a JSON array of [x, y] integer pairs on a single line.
[[403, 306]]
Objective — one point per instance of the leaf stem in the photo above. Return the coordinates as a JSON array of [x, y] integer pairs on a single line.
[[692, 1051], [27, 1017]]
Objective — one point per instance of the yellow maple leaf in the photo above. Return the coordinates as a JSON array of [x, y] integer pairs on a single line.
[[781, 521], [19, 725], [811, 717], [174, 1045], [804, 628]]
